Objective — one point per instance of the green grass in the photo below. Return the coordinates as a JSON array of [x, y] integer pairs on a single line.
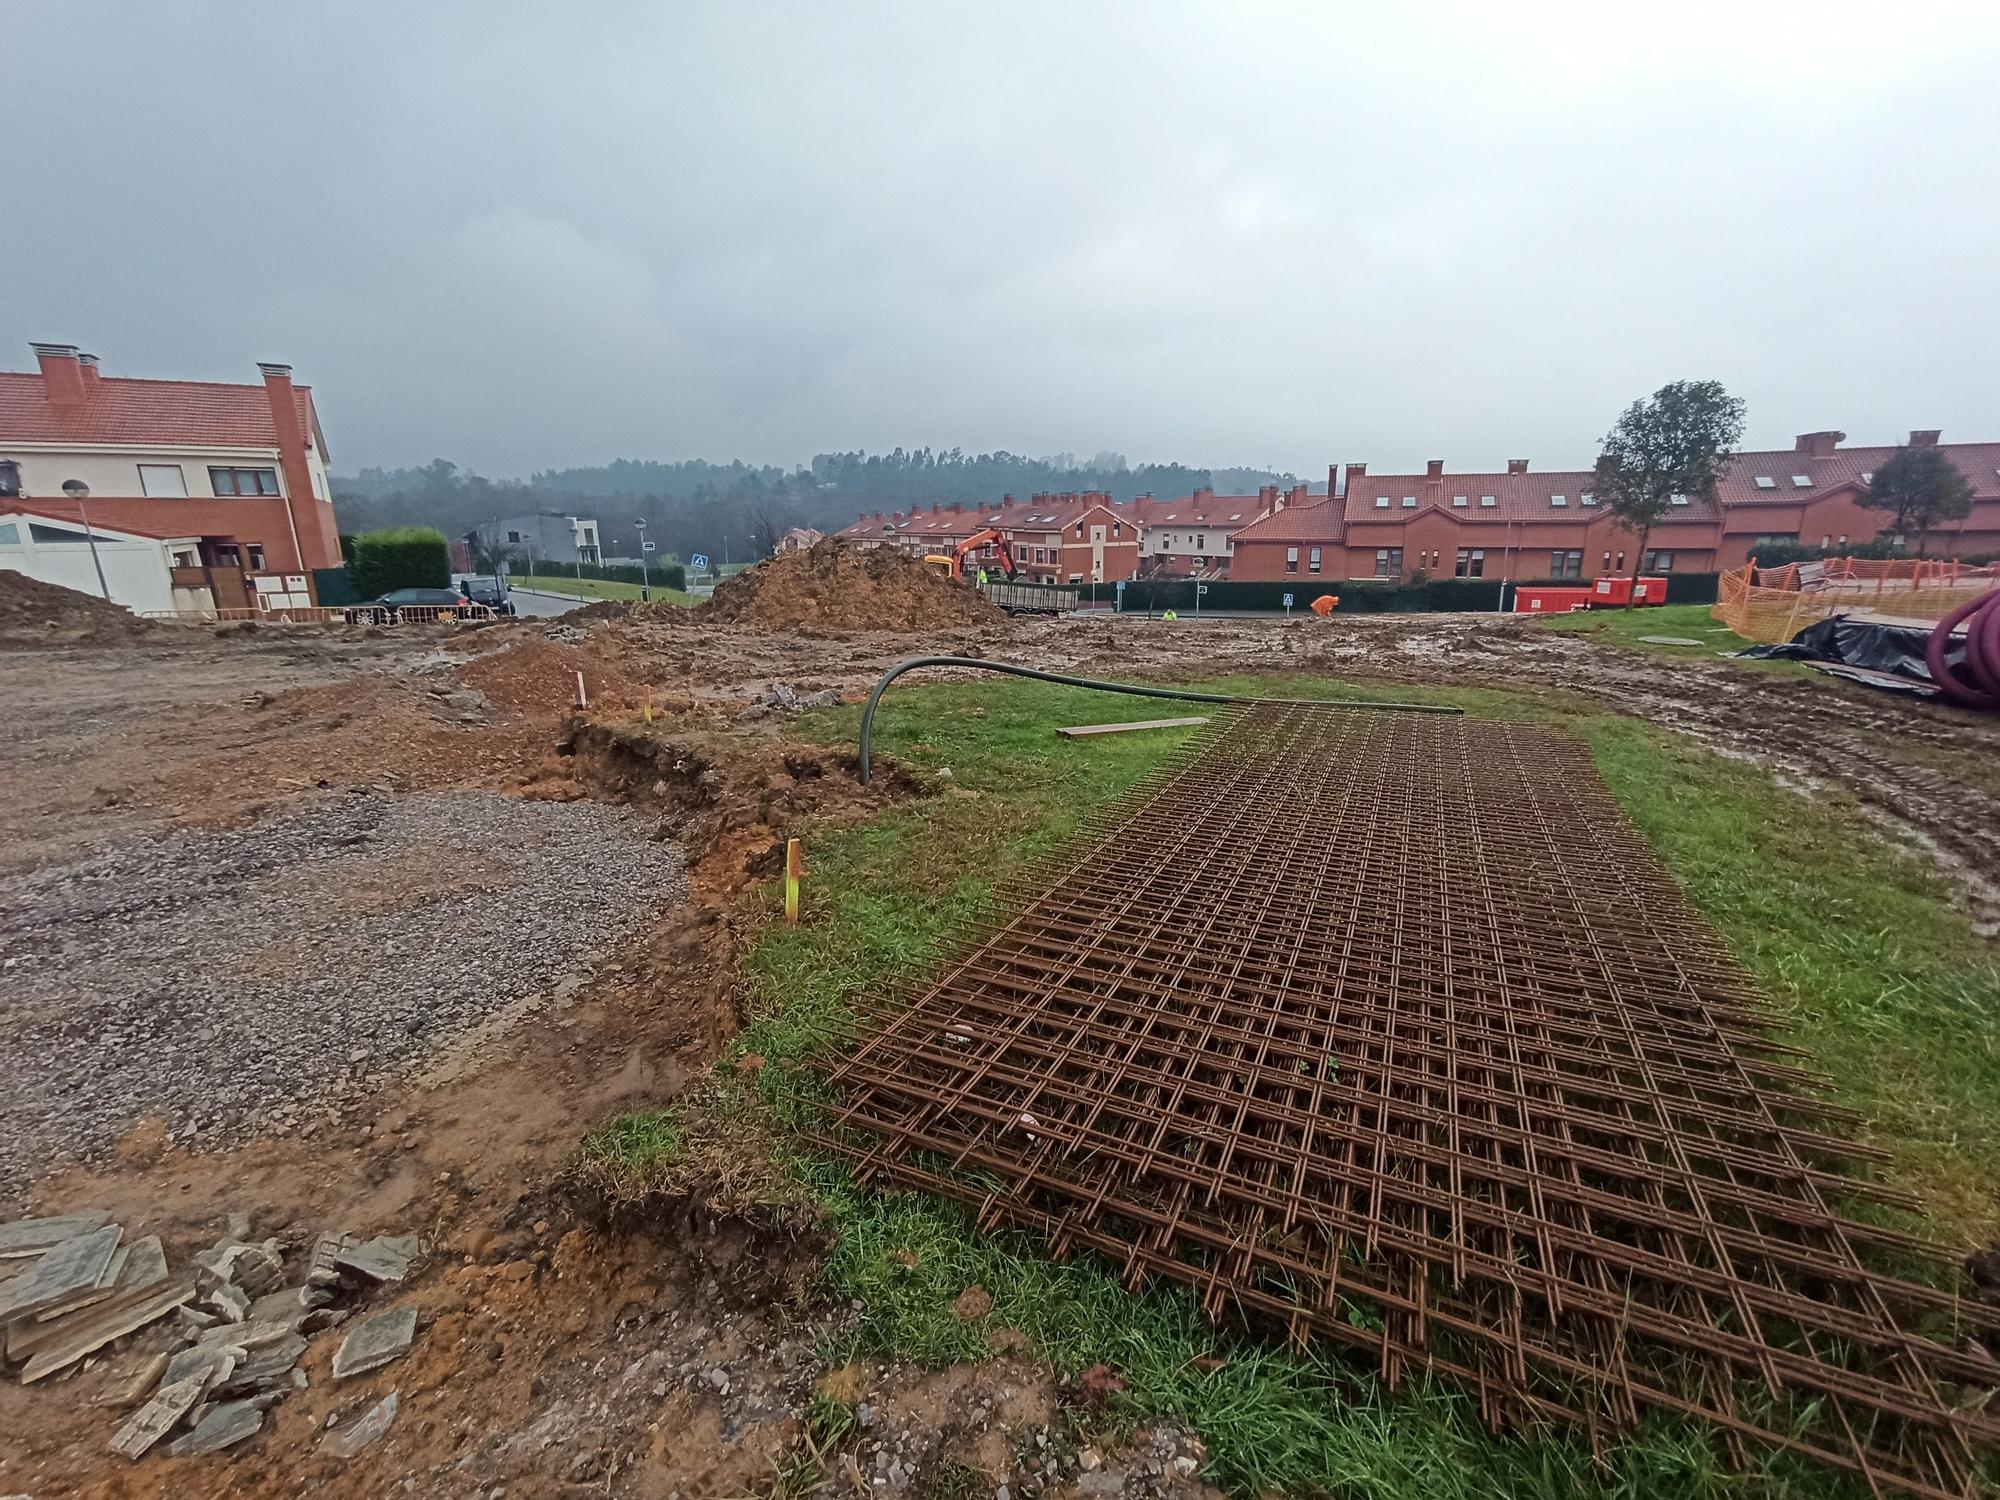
[[602, 588], [1624, 627], [1853, 937]]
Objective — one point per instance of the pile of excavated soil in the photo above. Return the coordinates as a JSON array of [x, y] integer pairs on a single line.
[[33, 610], [537, 678], [836, 586]]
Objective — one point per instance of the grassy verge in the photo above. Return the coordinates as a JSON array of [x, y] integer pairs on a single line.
[[1628, 627], [601, 588], [1854, 938]]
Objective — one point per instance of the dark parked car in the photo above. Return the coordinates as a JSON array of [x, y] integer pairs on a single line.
[[491, 592], [409, 604]]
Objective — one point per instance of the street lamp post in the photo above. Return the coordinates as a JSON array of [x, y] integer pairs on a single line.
[[78, 491], [645, 565]]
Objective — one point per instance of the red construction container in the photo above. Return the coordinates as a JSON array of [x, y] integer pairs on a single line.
[[1610, 590], [1550, 599]]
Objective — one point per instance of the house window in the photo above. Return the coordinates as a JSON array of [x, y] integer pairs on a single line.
[[1607, 562], [1566, 564], [1678, 500], [1409, 502], [1826, 539], [513, 536], [49, 535], [186, 557], [256, 558], [1588, 499], [1766, 482], [1312, 560], [1471, 563], [10, 534], [1291, 559], [1559, 500], [1486, 501], [226, 555], [1458, 502], [1802, 481], [1381, 502], [1659, 562], [1388, 562], [10, 478], [1842, 542], [1621, 562], [243, 481], [162, 479]]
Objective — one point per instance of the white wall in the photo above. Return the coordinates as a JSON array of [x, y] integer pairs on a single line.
[[115, 474], [135, 571]]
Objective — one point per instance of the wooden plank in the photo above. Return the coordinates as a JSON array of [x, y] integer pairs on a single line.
[[1083, 731]]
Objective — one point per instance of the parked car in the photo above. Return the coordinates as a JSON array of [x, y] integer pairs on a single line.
[[489, 591], [408, 604]]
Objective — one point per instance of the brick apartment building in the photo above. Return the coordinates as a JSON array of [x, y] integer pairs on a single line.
[[1059, 538], [204, 495], [1517, 523]]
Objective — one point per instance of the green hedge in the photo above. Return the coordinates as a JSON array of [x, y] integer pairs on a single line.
[[404, 557], [663, 575], [1143, 596], [334, 587]]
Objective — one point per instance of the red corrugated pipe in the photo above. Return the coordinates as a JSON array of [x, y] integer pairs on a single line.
[[1974, 682]]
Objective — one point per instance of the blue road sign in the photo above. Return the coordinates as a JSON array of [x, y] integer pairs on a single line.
[[1288, 601], [699, 562]]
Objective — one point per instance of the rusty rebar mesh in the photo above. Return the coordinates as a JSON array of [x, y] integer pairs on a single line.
[[1391, 1027]]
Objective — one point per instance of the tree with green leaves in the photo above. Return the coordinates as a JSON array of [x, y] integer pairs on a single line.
[[1919, 487], [1675, 442]]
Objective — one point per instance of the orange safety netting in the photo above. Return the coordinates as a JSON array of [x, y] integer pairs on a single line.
[[1774, 604]]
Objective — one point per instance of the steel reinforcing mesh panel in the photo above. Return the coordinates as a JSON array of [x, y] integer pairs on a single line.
[[1390, 1028]]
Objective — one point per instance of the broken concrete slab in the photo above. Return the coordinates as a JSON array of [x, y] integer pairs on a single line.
[[383, 1259], [222, 1425], [231, 1301], [210, 1366], [287, 1302], [156, 1418], [267, 1369], [349, 1441], [322, 1267], [133, 1384], [134, 1270], [98, 1326], [67, 1270], [259, 1269], [26, 1237], [376, 1342], [246, 1336]]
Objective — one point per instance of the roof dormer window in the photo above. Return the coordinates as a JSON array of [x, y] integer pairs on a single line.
[[1802, 481], [1458, 502], [1766, 482], [1680, 499], [1381, 502], [1487, 501], [1409, 502], [1559, 500], [1587, 498]]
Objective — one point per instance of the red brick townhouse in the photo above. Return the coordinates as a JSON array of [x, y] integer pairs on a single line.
[[216, 493], [1521, 524], [1194, 536]]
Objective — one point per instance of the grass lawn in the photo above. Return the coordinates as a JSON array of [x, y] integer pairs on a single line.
[[1852, 938], [1624, 627], [601, 588]]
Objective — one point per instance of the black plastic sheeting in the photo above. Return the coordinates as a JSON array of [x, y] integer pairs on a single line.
[[1895, 649]]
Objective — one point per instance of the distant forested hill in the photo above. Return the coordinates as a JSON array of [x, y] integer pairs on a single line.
[[733, 509]]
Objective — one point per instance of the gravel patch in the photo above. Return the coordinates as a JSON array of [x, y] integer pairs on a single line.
[[216, 977]]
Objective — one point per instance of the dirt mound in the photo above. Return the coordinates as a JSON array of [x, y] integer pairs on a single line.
[[537, 678], [836, 586], [33, 610]]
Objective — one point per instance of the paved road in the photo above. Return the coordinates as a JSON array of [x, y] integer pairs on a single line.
[[538, 606]]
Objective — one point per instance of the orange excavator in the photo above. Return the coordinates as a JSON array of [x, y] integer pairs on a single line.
[[954, 565]]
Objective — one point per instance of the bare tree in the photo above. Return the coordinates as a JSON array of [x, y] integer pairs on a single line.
[[765, 529]]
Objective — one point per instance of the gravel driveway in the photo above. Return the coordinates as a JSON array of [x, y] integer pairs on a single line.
[[228, 979]]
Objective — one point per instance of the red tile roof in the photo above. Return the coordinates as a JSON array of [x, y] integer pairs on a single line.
[[1516, 497], [1979, 462], [1320, 520], [1211, 511], [140, 412]]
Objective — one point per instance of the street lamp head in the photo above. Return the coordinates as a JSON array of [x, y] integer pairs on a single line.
[[76, 489]]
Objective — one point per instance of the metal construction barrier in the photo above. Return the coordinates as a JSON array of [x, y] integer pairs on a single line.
[[1774, 604], [345, 614]]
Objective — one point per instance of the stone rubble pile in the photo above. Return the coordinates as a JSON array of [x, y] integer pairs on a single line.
[[71, 1289]]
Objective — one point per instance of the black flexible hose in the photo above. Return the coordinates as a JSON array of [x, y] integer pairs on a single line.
[[1180, 694]]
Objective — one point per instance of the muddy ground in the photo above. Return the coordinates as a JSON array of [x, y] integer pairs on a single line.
[[557, 1357]]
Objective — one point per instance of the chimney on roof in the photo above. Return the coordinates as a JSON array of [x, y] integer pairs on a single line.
[[1820, 444], [957, 509], [1925, 437], [1006, 502], [1201, 494], [86, 366], [1517, 466], [313, 541], [1354, 472], [1267, 496], [1298, 494], [875, 515], [62, 377], [1435, 467], [1332, 480]]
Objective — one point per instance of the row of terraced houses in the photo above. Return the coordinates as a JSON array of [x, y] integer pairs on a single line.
[[1513, 522]]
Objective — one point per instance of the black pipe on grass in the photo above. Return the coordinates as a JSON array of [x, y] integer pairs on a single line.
[[1182, 695]]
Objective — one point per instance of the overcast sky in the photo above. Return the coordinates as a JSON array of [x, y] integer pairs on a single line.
[[521, 235]]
